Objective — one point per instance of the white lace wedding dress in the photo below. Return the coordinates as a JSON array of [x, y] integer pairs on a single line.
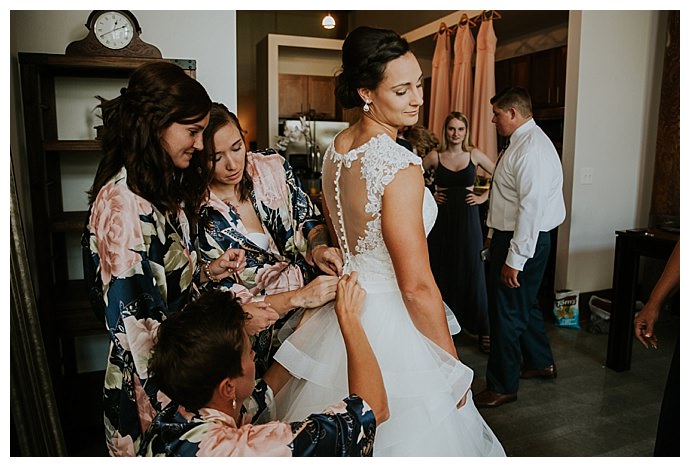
[[423, 382]]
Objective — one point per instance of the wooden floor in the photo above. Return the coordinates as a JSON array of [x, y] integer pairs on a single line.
[[589, 410]]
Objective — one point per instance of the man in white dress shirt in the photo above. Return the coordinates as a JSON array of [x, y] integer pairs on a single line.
[[525, 203]]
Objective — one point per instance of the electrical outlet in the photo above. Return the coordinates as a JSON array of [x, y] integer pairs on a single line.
[[587, 176]]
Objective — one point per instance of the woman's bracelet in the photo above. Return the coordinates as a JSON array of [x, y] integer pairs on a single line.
[[207, 270]]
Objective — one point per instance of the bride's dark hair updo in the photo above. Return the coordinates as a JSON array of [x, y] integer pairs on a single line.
[[366, 52]]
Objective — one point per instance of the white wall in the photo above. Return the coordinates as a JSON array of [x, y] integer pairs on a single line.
[[615, 59], [314, 62], [209, 37]]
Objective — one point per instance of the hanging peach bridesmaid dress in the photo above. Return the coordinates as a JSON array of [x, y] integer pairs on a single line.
[[483, 131], [461, 83], [439, 102]]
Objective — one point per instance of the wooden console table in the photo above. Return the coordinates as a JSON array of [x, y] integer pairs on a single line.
[[631, 245]]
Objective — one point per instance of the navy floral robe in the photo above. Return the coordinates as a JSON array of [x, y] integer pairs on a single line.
[[141, 267], [344, 430], [287, 214]]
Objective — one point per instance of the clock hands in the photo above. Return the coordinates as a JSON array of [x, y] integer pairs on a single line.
[[113, 30]]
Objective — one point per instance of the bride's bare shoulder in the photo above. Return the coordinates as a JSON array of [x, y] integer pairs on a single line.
[[352, 139], [344, 141]]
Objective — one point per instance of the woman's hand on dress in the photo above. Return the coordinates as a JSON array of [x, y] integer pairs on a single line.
[[440, 195], [349, 298], [329, 259], [316, 293], [261, 317]]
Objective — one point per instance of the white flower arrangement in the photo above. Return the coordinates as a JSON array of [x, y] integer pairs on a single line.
[[295, 134]]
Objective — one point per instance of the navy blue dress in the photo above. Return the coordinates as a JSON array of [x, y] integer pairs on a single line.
[[455, 244]]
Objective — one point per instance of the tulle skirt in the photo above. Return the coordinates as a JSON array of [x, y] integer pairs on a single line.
[[423, 382]]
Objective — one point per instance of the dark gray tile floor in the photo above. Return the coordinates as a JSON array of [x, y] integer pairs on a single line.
[[588, 410]]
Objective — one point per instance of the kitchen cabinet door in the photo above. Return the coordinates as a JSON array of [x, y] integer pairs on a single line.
[[299, 94], [321, 93], [292, 95], [547, 78]]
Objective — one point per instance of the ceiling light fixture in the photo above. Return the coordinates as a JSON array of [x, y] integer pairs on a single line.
[[328, 22]]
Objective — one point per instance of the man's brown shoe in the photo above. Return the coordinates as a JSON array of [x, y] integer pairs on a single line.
[[490, 399], [549, 372]]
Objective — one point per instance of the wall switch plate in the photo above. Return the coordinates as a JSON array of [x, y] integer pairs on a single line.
[[587, 176]]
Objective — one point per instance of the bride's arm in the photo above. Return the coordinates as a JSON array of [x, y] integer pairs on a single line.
[[403, 232]]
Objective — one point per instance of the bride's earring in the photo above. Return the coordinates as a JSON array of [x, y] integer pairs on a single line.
[[366, 106]]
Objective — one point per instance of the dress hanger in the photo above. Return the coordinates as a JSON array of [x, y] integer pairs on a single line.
[[486, 15], [442, 29], [492, 14], [464, 19]]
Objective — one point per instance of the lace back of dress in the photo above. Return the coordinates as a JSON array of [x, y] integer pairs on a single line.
[[345, 195]]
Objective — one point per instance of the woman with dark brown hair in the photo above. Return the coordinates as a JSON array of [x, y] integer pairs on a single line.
[[373, 190], [139, 260], [256, 203], [213, 380]]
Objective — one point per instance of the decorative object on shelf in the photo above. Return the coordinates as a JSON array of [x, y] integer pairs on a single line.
[[303, 133], [295, 134], [112, 33], [328, 22]]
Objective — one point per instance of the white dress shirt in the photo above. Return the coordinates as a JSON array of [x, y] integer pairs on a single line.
[[526, 192]]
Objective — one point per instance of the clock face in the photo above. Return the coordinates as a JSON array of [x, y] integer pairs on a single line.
[[114, 30]]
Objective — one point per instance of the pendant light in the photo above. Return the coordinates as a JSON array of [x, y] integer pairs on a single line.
[[328, 22]]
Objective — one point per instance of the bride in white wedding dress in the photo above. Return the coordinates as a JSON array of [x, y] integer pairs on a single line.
[[374, 197]]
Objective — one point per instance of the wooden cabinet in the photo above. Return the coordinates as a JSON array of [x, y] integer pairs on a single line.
[[64, 309], [547, 78], [513, 72], [298, 94], [542, 74], [292, 95]]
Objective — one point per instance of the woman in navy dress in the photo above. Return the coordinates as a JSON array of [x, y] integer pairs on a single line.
[[456, 240]]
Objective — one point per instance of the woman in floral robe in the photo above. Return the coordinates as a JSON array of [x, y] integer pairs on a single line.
[[210, 378], [139, 263], [256, 203]]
